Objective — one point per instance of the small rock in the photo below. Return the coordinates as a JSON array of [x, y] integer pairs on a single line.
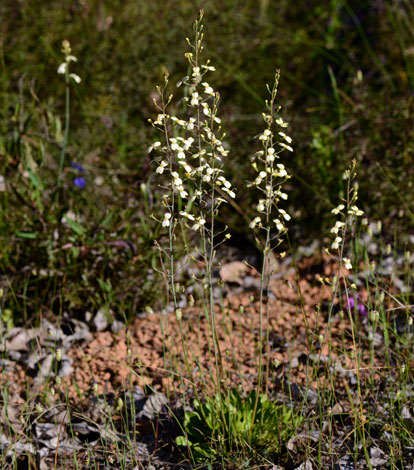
[[101, 319], [234, 272], [117, 326]]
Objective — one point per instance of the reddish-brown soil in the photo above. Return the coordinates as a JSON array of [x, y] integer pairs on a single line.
[[151, 350]]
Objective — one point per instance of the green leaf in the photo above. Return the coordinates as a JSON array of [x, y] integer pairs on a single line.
[[29, 235], [75, 226]]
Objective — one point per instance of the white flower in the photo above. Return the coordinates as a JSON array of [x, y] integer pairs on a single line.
[[188, 142], [198, 224], [282, 172], [261, 207], [220, 148], [190, 124], [160, 119], [285, 215], [254, 222], [62, 68], [183, 192], [180, 155], [286, 137], [285, 146], [174, 144], [279, 225], [338, 209], [194, 99], [281, 123], [177, 180], [162, 166], [207, 89], [347, 263], [229, 192], [266, 134], [71, 58], [337, 226], [186, 166], [180, 122], [166, 220], [154, 146], [335, 244], [206, 109], [187, 215], [75, 77], [355, 211], [270, 155]]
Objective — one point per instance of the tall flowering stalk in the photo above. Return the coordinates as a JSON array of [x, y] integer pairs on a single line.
[[63, 69], [348, 212], [271, 176], [191, 155]]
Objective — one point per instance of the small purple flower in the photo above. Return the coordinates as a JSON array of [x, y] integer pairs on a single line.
[[77, 166], [80, 182], [361, 309]]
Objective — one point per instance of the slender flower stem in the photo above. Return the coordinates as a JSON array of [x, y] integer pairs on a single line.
[[66, 136]]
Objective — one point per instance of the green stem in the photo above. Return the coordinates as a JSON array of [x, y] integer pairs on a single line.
[[66, 137]]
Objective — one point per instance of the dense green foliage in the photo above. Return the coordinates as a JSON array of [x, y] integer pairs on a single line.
[[221, 426]]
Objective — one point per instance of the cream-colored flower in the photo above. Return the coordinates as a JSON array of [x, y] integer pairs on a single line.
[[183, 192], [337, 227], [254, 222], [347, 263], [166, 220], [265, 136], [285, 146], [281, 123], [208, 90], [261, 206], [160, 119], [62, 68], [285, 215], [187, 215], [338, 209], [335, 244], [161, 167], [195, 99], [279, 225], [200, 222], [75, 77], [286, 137], [270, 155], [282, 172], [153, 146], [355, 211]]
